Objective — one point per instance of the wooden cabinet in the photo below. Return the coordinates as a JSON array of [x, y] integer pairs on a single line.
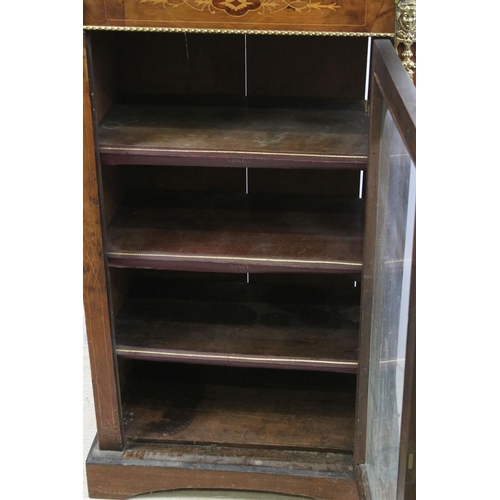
[[234, 246]]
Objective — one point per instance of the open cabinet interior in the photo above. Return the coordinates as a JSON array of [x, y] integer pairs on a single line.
[[230, 176], [231, 196]]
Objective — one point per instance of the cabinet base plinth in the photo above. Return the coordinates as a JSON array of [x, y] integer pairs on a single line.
[[147, 468]]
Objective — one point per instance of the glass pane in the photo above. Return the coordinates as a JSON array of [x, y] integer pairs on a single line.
[[394, 242]]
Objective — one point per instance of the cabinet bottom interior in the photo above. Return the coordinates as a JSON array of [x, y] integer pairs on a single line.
[[183, 404]]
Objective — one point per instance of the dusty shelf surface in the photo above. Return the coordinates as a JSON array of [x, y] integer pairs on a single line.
[[236, 132]]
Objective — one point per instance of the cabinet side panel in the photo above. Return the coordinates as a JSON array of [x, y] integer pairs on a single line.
[[104, 53], [94, 291]]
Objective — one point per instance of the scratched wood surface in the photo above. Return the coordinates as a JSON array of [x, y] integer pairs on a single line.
[[296, 133], [349, 16]]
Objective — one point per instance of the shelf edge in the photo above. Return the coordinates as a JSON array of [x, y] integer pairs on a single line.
[[237, 360]]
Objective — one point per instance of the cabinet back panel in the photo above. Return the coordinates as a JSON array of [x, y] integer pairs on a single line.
[[335, 183], [182, 63], [168, 64], [189, 178], [332, 67], [338, 183]]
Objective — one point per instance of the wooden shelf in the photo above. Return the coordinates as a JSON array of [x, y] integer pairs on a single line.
[[236, 233], [239, 407], [241, 324], [233, 132]]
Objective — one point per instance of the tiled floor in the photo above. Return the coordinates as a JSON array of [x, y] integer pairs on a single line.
[[89, 430]]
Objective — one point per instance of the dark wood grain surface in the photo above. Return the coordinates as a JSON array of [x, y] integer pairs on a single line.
[[243, 132], [238, 406], [95, 297], [236, 232], [240, 324]]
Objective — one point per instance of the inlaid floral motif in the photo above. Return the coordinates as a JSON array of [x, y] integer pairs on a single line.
[[242, 7], [237, 7]]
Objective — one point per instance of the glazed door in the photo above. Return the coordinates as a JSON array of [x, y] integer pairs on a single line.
[[385, 451]]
